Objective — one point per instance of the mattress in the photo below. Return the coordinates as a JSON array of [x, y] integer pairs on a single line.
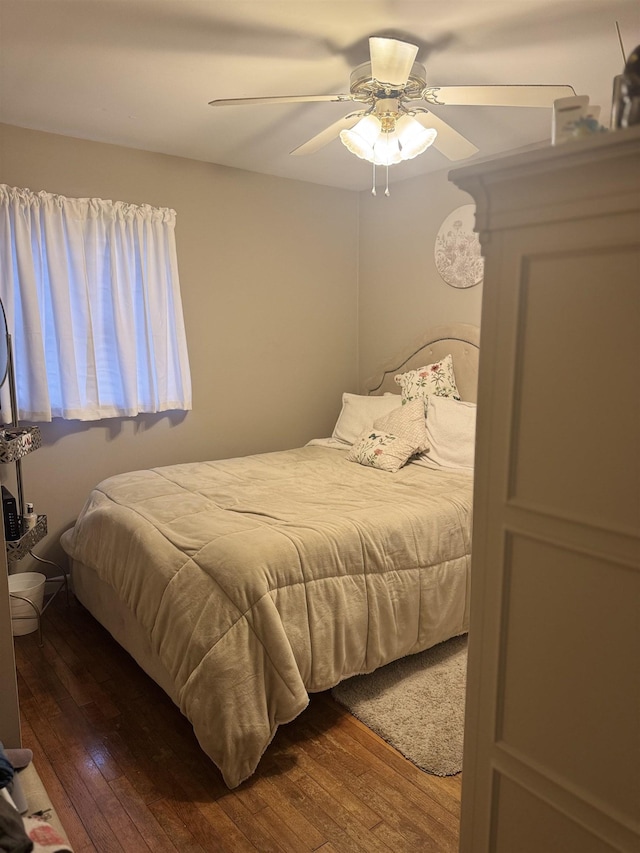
[[244, 584]]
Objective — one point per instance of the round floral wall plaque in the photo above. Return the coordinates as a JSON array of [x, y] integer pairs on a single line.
[[457, 250]]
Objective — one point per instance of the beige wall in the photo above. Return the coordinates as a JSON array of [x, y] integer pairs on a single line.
[[401, 292], [268, 272]]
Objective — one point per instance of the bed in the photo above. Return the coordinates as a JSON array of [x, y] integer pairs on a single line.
[[243, 585]]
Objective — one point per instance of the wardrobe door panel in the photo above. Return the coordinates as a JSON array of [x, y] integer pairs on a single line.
[[577, 399]]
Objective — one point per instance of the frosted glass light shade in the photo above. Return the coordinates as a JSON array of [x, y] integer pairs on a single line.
[[413, 138], [387, 151], [361, 138], [391, 60]]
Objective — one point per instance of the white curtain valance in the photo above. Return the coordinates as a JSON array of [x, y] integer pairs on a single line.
[[84, 208], [92, 297]]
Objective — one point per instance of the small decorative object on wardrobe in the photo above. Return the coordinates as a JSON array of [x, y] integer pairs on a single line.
[[625, 108], [457, 249], [574, 118]]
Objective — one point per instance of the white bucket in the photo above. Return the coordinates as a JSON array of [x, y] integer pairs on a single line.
[[27, 585]]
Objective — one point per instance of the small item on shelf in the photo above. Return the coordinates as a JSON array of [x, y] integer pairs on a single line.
[[29, 519], [625, 105], [16, 442], [10, 512], [573, 118]]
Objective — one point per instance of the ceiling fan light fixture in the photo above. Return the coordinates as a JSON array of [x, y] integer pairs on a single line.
[[386, 144], [372, 140]]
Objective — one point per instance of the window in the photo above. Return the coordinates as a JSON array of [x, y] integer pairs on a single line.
[[92, 297]]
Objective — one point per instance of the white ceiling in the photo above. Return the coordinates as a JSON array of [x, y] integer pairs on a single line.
[[140, 73]]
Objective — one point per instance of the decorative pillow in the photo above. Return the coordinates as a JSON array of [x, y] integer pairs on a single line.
[[381, 450], [451, 432], [408, 422], [358, 414], [433, 379]]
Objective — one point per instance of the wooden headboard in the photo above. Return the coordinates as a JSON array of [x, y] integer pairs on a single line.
[[459, 339]]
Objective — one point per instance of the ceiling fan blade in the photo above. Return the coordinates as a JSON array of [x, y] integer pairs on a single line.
[[391, 60], [449, 142], [328, 134], [501, 96], [278, 99]]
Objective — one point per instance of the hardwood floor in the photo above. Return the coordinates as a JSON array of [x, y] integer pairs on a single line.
[[125, 772]]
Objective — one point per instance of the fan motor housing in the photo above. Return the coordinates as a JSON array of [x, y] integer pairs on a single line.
[[364, 87]]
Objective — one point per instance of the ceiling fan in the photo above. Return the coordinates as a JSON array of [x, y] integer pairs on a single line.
[[392, 125]]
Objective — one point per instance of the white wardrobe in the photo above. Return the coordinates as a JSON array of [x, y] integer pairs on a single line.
[[552, 743]]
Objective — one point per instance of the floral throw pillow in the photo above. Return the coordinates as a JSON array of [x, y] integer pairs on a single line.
[[408, 422], [435, 379], [381, 450]]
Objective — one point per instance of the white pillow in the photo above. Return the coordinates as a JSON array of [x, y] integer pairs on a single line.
[[381, 450], [451, 432], [437, 378], [408, 422], [359, 412]]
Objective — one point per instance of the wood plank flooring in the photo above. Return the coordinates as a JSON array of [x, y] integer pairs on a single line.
[[125, 772]]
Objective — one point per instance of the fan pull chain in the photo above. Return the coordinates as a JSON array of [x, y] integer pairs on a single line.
[[386, 189]]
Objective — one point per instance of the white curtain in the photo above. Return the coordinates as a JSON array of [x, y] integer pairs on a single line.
[[92, 297]]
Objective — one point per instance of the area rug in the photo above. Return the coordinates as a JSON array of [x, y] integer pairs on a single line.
[[416, 704]]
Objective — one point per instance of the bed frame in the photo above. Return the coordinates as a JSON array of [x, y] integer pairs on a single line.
[[99, 598], [459, 339]]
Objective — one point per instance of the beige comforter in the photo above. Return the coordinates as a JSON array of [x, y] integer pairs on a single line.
[[263, 578]]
